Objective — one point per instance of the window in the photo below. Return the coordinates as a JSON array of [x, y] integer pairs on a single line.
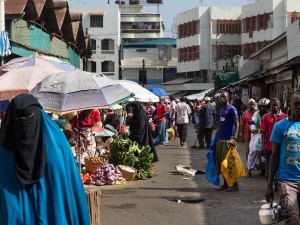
[[93, 44], [107, 66], [94, 67], [105, 44], [141, 50], [96, 21]]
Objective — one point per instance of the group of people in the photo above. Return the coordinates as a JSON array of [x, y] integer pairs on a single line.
[[270, 134], [37, 164]]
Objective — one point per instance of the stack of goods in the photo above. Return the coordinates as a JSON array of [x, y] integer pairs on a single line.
[[126, 152], [106, 174]]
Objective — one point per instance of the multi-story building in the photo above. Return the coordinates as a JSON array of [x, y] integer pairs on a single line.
[[139, 26], [110, 25], [102, 23], [213, 39], [149, 62]]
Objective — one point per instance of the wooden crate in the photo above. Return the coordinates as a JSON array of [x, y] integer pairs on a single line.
[[93, 200]]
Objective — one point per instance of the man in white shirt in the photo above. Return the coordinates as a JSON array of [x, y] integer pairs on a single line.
[[182, 111], [172, 109]]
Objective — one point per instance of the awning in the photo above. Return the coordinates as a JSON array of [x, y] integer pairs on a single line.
[[224, 78], [177, 94], [200, 95]]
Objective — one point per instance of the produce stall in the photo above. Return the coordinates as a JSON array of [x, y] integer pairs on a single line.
[[122, 161]]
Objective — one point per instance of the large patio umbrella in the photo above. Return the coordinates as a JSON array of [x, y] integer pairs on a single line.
[[158, 91], [22, 80], [78, 90], [140, 94], [35, 60]]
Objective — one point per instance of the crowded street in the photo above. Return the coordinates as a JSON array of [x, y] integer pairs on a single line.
[[157, 200]]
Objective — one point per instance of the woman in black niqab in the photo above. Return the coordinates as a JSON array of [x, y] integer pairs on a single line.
[[22, 131], [139, 128]]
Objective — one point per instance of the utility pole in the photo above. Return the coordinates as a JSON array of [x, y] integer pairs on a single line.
[[2, 25], [143, 74], [120, 62], [217, 57]]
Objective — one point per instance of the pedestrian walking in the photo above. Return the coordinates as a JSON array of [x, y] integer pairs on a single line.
[[182, 113], [284, 163], [227, 133], [207, 117], [245, 126], [39, 179], [254, 156], [267, 124], [160, 118]]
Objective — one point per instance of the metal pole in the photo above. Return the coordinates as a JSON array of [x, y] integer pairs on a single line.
[[216, 57], [2, 25]]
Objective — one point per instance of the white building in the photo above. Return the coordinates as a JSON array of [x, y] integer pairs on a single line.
[[102, 23], [212, 39], [139, 26]]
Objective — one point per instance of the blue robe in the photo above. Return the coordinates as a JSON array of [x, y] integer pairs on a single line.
[[57, 198]]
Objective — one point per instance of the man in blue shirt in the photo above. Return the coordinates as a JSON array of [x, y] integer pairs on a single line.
[[285, 163], [227, 135]]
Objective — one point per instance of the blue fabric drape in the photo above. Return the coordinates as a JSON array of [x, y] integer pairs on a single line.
[[57, 198], [4, 44]]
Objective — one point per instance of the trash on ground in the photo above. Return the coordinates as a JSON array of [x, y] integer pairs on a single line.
[[185, 170]]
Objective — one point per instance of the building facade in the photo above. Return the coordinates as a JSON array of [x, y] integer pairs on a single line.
[[139, 26], [47, 28], [214, 39], [102, 23], [149, 62]]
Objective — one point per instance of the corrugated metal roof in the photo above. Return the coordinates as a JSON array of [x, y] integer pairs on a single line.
[[181, 80], [159, 41]]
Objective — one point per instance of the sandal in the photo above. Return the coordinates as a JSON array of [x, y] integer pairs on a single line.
[[232, 188], [221, 188], [248, 175]]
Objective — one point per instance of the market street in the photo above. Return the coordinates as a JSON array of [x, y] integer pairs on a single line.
[[154, 201]]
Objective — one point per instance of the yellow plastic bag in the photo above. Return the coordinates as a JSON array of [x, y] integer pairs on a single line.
[[172, 132], [232, 167]]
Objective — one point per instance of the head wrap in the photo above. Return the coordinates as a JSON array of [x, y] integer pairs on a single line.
[[22, 128]]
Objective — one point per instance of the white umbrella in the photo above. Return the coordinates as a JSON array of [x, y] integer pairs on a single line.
[[77, 90], [22, 80], [140, 94]]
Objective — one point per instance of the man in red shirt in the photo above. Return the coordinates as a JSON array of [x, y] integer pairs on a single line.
[[245, 126], [161, 111], [267, 124]]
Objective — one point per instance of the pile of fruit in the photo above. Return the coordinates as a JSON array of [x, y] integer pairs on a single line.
[[126, 152]]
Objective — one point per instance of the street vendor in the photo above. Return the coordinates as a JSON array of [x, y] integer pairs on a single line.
[[87, 119]]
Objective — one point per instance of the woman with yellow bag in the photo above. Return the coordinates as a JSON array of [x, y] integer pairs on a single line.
[[227, 135]]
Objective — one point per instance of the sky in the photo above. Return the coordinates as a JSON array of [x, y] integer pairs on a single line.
[[170, 8]]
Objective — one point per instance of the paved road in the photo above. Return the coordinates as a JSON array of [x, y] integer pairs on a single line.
[[148, 202]]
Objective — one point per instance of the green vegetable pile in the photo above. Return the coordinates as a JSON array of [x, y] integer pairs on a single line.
[[126, 152]]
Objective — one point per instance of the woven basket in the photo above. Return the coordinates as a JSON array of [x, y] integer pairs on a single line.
[[90, 166], [129, 176]]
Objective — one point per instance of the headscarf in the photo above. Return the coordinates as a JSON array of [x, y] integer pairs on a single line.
[[23, 134], [139, 128]]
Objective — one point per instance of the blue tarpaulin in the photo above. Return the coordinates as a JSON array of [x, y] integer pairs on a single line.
[[4, 44]]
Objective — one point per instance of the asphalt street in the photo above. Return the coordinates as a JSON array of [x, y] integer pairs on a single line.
[[161, 199]]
